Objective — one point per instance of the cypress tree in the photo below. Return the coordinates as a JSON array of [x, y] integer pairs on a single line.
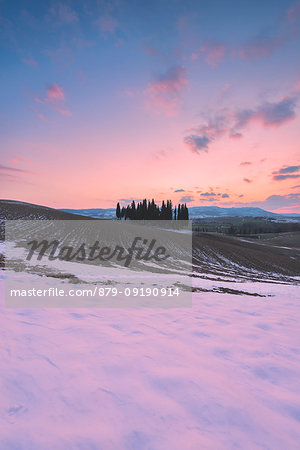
[[179, 212], [187, 213], [118, 211], [133, 211]]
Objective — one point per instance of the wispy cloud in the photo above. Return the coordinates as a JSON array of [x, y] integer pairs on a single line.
[[247, 180], [264, 44], [212, 199], [261, 46], [165, 92], [284, 177], [38, 114], [274, 202], [197, 143], [245, 163], [289, 169], [54, 93], [13, 174], [286, 173], [208, 194], [213, 53], [203, 135], [233, 123], [268, 114], [18, 159], [62, 56], [179, 190], [107, 24], [293, 13], [270, 40], [30, 62], [130, 199], [186, 199], [63, 14], [55, 96], [4, 168]]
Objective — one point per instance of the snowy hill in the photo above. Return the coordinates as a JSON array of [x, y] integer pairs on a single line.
[[12, 210]]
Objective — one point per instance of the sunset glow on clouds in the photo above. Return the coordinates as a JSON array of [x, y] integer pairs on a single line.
[[268, 114], [166, 90], [103, 101], [56, 97]]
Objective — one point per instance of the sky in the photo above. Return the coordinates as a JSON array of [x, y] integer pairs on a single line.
[[193, 101]]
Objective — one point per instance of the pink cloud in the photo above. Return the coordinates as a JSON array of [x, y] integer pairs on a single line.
[[277, 203], [61, 56], [269, 114], [201, 137], [54, 93], [223, 92], [293, 14], [107, 24], [235, 135], [12, 173], [265, 44], [54, 96], [30, 62], [64, 112], [38, 114], [119, 43], [42, 117], [214, 53], [261, 47], [165, 92], [231, 124], [286, 172], [64, 14], [22, 159]]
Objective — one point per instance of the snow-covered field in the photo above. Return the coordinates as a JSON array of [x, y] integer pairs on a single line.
[[224, 374]]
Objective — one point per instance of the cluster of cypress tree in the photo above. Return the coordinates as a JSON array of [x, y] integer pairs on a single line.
[[182, 212], [147, 210]]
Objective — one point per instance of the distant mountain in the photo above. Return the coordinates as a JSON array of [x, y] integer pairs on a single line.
[[296, 215], [216, 211], [195, 212], [108, 213]]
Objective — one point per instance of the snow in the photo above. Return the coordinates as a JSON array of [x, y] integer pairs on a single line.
[[224, 374], [2, 247]]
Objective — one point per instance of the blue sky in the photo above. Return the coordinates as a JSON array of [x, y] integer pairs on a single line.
[[125, 85]]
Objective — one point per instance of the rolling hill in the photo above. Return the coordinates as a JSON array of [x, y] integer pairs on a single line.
[[274, 257], [12, 210]]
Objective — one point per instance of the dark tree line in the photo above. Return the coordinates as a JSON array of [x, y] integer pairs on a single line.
[[260, 227], [147, 210]]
